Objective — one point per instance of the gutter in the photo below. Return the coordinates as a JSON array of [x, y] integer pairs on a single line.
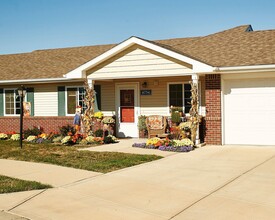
[[254, 68], [37, 81]]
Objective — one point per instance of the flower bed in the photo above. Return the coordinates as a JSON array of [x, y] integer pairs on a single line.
[[67, 136], [183, 145]]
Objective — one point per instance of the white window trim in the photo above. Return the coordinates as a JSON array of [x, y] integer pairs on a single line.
[[17, 115], [66, 95], [173, 83]]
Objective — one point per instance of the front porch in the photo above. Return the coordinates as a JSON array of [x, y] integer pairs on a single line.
[[128, 99], [138, 78]]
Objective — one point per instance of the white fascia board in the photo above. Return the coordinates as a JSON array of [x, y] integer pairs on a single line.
[[44, 80], [131, 76], [198, 66], [237, 69]]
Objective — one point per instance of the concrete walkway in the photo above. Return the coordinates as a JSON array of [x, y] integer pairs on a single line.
[[213, 182]]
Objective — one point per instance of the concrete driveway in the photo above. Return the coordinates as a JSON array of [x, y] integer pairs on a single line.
[[213, 182]]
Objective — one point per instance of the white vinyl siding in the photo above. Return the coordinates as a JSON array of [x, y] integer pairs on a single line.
[[140, 63], [156, 103], [45, 100]]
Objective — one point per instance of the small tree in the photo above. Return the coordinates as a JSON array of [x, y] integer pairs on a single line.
[[89, 112]]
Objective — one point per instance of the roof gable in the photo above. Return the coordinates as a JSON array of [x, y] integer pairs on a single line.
[[80, 71], [137, 62]]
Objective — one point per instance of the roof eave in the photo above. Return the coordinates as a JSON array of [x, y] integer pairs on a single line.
[[40, 81]]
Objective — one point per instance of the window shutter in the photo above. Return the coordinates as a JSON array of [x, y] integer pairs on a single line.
[[97, 89], [30, 98], [61, 100], [1, 102]]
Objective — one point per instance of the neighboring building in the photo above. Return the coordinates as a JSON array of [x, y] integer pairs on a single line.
[[235, 70]]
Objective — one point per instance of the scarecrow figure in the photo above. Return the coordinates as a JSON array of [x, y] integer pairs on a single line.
[[77, 118]]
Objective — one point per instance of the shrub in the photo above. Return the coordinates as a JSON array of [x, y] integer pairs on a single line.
[[142, 123], [3, 136], [31, 138], [66, 140], [89, 139], [110, 139], [83, 142], [67, 130], [99, 133], [15, 137], [108, 120], [35, 131], [175, 117], [182, 142], [52, 135], [76, 138], [57, 139]]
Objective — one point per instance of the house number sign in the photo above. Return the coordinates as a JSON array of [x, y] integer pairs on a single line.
[[146, 92]]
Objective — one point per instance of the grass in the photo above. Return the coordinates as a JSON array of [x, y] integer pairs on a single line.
[[8, 185], [71, 157]]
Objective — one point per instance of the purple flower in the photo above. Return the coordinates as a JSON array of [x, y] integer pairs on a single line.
[[176, 149]]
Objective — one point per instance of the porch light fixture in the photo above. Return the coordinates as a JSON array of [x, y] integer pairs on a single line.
[[21, 92], [144, 84]]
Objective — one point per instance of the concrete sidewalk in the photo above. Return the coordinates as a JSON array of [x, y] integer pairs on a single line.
[[214, 182]]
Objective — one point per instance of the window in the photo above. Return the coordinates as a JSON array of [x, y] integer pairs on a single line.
[[75, 97], [180, 96], [12, 102]]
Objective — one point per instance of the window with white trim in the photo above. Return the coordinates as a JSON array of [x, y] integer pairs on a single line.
[[12, 102], [75, 97], [180, 96]]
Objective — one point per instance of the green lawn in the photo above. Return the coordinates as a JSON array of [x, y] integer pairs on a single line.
[[8, 185], [71, 157]]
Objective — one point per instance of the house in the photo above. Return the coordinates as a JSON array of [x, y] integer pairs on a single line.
[[234, 69]]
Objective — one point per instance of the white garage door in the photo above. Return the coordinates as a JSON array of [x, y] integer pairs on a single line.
[[249, 111]]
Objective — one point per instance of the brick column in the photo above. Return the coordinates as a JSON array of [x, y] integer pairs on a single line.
[[213, 109]]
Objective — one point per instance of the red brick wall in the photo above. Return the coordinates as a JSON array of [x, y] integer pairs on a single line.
[[213, 134], [48, 123]]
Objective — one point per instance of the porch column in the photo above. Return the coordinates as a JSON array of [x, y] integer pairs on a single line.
[[195, 80], [91, 83], [91, 86]]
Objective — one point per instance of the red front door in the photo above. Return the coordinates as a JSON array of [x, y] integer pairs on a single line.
[[127, 105]]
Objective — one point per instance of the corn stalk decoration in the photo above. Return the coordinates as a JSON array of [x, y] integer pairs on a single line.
[[89, 100], [195, 118]]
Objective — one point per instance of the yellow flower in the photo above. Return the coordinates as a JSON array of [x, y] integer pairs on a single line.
[[98, 115]]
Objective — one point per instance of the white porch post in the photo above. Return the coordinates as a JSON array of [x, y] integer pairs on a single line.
[[195, 80], [91, 86], [91, 83]]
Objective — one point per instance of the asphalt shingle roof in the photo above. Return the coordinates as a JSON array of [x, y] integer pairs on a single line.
[[234, 47]]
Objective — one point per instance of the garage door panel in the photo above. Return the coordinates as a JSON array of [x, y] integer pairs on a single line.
[[249, 111]]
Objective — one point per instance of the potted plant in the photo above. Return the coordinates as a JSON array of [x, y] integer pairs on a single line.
[[109, 124], [175, 117], [108, 120], [143, 132]]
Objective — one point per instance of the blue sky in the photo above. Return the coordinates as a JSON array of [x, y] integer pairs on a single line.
[[27, 25]]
